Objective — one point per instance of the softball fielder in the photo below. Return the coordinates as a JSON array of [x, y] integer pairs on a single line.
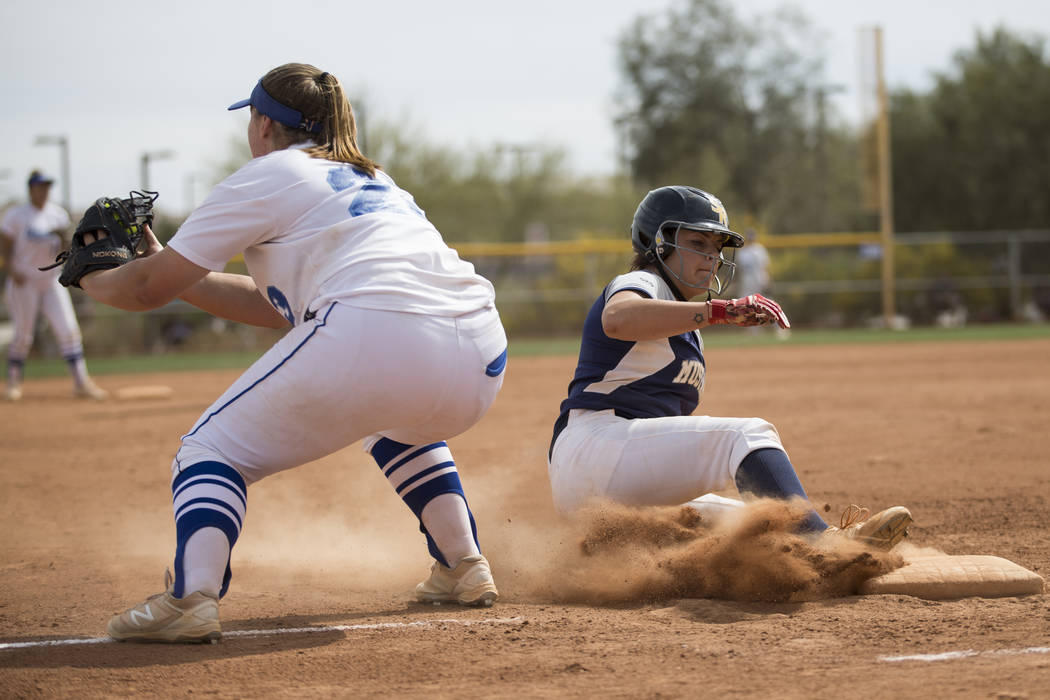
[[394, 341], [626, 431], [30, 236]]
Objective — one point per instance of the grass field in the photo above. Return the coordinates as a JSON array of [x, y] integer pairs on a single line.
[[527, 347]]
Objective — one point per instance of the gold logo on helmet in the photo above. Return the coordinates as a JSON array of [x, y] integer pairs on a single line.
[[716, 207]]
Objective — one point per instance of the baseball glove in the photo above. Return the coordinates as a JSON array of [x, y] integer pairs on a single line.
[[752, 310], [122, 219]]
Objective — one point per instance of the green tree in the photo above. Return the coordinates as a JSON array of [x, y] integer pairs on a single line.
[[737, 108], [974, 152], [499, 192]]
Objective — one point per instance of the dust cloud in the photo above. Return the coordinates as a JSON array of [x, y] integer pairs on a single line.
[[616, 554], [348, 530]]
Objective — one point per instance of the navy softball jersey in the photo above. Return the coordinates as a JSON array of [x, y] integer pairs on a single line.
[[637, 379]]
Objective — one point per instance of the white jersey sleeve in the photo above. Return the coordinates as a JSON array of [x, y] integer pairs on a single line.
[[60, 217], [232, 218], [313, 231], [646, 283]]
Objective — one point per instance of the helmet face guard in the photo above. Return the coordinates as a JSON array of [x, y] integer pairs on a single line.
[[667, 210], [722, 270]]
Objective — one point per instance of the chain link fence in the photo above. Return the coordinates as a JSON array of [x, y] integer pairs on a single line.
[[545, 289]]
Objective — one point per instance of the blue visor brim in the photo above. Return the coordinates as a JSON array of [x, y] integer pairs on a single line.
[[282, 114]]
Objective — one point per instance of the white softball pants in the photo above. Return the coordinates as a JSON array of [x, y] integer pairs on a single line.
[[652, 461], [26, 300], [351, 374]]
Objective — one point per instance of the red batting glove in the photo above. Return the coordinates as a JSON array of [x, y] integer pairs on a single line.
[[752, 310]]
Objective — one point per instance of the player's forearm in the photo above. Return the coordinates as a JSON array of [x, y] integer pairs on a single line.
[[126, 287], [233, 297], [652, 319]]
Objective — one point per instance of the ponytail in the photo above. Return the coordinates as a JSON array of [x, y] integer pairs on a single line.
[[319, 96]]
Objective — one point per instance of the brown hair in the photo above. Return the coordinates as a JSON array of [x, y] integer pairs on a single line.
[[319, 97], [640, 262]]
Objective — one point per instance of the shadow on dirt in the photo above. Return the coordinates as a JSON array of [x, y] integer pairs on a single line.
[[275, 634]]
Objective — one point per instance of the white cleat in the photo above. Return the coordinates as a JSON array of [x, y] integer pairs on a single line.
[[470, 583], [90, 390], [884, 530], [165, 618]]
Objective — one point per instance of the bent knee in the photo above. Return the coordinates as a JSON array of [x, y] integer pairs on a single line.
[[757, 429], [753, 434], [193, 452]]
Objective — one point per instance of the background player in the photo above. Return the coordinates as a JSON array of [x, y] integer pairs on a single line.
[[752, 266], [753, 274], [394, 340], [626, 432], [31, 234]]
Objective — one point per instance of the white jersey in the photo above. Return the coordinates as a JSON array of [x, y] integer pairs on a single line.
[[314, 231], [33, 233]]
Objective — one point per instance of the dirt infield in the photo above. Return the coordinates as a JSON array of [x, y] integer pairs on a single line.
[[952, 430]]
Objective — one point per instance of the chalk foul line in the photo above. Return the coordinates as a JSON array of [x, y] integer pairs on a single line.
[[281, 630], [964, 654]]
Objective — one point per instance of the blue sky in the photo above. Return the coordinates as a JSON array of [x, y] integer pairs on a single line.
[[470, 73]]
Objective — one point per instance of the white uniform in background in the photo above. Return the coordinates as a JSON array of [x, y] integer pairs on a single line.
[[752, 269], [35, 244]]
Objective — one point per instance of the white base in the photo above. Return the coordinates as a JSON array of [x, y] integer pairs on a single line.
[[943, 577]]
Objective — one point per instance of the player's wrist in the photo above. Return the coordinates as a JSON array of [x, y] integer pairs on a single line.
[[717, 311]]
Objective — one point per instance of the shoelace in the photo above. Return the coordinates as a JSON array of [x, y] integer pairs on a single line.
[[852, 515], [168, 581]]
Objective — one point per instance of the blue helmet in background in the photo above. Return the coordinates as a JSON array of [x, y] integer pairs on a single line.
[[674, 207]]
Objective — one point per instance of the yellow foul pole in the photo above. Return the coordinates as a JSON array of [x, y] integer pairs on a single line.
[[885, 189]]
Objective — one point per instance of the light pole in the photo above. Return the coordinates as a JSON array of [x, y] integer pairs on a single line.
[[823, 176], [63, 146], [147, 156]]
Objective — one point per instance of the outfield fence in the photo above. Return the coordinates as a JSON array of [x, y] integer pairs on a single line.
[[544, 289]]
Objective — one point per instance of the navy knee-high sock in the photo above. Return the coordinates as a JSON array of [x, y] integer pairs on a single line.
[[419, 474], [207, 494], [767, 473]]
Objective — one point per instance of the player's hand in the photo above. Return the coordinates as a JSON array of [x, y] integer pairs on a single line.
[[92, 236], [752, 310]]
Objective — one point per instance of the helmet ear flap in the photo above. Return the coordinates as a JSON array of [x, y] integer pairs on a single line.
[[657, 249], [660, 245]]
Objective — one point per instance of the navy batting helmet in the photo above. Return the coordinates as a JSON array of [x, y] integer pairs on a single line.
[[682, 207]]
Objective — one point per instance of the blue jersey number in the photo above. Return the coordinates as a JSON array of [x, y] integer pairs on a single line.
[[280, 302], [377, 194]]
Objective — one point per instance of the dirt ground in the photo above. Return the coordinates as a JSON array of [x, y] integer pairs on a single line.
[[950, 430]]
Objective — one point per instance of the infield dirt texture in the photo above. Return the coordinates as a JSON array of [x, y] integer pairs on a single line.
[[955, 431]]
